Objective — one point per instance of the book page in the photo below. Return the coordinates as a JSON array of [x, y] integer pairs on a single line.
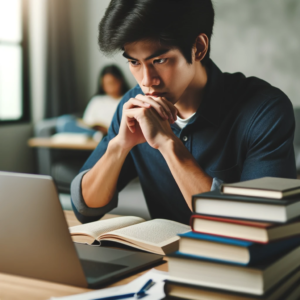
[[156, 231], [95, 229]]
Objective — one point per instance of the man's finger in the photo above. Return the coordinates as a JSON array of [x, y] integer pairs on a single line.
[[162, 110], [131, 115], [168, 107], [133, 102], [131, 124], [172, 107]]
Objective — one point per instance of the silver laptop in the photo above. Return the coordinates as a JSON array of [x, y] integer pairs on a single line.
[[35, 240]]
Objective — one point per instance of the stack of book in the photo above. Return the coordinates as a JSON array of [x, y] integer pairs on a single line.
[[244, 244]]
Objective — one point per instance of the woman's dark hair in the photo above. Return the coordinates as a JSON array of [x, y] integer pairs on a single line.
[[117, 73], [174, 23]]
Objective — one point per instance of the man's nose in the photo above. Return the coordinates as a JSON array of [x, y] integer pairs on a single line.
[[150, 77]]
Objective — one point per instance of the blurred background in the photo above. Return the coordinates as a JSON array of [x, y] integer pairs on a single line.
[[50, 61]]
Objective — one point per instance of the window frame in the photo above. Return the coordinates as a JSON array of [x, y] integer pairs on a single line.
[[24, 44]]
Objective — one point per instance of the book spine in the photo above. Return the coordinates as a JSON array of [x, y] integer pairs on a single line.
[[226, 236], [183, 255], [233, 221], [247, 219], [195, 216]]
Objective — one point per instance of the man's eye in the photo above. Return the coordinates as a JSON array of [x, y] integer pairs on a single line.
[[160, 61], [133, 62]]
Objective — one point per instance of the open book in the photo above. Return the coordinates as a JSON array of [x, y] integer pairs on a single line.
[[97, 126], [73, 138], [157, 236]]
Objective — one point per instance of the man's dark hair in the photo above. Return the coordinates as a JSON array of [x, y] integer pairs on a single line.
[[173, 23]]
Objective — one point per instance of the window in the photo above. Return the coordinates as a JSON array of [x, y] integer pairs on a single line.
[[13, 62]]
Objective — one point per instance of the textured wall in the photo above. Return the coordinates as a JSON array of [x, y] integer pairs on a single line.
[[260, 38]]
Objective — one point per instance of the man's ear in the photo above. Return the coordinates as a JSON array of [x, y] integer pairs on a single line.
[[200, 47]]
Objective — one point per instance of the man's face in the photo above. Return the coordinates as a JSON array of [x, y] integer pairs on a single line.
[[160, 71]]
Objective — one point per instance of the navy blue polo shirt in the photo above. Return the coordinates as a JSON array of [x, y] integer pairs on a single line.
[[243, 129]]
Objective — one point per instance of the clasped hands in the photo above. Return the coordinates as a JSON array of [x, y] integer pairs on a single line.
[[147, 119]]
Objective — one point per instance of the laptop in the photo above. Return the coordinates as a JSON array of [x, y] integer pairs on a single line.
[[35, 240]]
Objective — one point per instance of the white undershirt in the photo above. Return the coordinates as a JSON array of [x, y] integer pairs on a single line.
[[183, 122]]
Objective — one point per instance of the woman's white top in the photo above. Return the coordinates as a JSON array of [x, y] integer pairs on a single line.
[[100, 110]]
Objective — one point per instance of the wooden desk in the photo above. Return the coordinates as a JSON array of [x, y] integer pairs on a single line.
[[48, 143], [22, 288]]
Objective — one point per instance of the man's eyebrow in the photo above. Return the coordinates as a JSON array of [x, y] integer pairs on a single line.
[[127, 56], [156, 53]]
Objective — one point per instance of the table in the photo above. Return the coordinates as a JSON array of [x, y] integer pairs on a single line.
[[17, 288], [48, 143]]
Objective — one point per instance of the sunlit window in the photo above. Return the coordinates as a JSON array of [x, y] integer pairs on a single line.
[[11, 60]]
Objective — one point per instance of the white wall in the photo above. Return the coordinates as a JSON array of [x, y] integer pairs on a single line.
[[258, 38]]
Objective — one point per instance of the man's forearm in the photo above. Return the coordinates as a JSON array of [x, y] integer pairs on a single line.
[[99, 184], [189, 176]]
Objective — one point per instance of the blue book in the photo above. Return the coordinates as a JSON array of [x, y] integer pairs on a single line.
[[222, 249]]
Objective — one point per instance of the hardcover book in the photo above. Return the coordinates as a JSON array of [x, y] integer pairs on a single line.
[[287, 289], [268, 187], [252, 208], [215, 248], [260, 232], [256, 280]]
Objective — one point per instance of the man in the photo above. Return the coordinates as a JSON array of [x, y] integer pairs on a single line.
[[186, 126]]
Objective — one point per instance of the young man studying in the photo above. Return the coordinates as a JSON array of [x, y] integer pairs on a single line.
[[186, 127]]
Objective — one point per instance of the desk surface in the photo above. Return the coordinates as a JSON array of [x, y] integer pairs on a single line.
[[48, 143], [15, 287]]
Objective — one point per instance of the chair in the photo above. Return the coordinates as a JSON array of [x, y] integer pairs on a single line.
[[62, 164]]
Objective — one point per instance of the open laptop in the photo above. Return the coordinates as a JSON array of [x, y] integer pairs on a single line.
[[35, 240]]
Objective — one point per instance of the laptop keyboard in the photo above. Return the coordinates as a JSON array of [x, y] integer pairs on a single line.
[[96, 269]]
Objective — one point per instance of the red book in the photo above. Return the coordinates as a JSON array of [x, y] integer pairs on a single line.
[[260, 232]]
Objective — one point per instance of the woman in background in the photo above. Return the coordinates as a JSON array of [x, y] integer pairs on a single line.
[[101, 108]]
